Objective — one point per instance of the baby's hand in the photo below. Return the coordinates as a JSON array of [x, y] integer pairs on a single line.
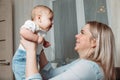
[[46, 44], [40, 40]]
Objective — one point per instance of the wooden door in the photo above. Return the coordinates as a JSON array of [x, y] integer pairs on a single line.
[[6, 40]]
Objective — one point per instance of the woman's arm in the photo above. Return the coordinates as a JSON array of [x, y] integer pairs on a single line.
[[77, 71], [43, 60], [31, 63], [46, 69]]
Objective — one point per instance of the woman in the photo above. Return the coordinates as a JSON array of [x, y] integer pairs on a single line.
[[95, 46]]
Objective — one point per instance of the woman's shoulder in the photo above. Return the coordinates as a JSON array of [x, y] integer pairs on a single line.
[[91, 64], [86, 62], [88, 67]]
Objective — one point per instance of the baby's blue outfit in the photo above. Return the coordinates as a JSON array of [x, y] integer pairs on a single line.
[[19, 59], [80, 69]]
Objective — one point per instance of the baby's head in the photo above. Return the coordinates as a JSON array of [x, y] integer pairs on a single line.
[[42, 16]]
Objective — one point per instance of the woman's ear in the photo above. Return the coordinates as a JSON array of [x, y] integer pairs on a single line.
[[93, 43]]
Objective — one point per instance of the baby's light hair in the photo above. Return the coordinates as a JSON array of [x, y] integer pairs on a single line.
[[39, 10]]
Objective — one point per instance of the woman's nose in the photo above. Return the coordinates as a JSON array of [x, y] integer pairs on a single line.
[[76, 35]]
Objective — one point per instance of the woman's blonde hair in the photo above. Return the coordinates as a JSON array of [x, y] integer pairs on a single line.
[[105, 48]]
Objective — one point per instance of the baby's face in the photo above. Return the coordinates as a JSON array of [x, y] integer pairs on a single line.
[[46, 21]]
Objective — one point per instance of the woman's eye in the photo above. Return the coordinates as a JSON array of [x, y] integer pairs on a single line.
[[82, 32]]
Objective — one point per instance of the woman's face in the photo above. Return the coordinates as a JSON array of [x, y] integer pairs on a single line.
[[83, 40]]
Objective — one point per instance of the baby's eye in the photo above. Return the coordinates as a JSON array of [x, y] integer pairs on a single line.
[[81, 32]]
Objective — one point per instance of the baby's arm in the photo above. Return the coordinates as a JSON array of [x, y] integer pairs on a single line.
[[31, 36]]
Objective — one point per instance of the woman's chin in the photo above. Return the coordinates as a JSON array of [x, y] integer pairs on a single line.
[[75, 48]]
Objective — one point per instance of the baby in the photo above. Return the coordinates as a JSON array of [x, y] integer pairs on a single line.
[[33, 30]]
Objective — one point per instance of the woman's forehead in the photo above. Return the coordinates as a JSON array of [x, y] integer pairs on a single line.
[[86, 27]]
